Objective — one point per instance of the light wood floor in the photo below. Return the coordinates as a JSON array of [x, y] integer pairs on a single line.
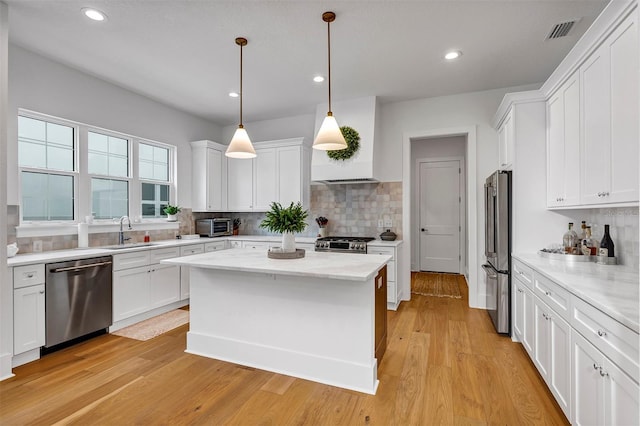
[[444, 365]]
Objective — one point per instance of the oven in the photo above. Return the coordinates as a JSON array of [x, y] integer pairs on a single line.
[[343, 244]]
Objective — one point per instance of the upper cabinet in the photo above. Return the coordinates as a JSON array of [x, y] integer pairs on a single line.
[[592, 119], [610, 118], [209, 176], [506, 142], [563, 145]]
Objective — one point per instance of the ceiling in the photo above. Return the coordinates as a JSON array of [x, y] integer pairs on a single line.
[[182, 52]]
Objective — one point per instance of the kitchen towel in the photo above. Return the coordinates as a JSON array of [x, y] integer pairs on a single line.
[[83, 235]]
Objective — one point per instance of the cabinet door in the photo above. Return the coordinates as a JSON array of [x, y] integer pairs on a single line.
[[587, 387], [265, 179], [215, 179], [621, 406], [571, 164], [560, 361], [623, 54], [518, 308], [541, 349], [290, 175], [506, 142], [596, 138], [164, 287], [555, 149], [239, 184], [29, 320], [130, 292]]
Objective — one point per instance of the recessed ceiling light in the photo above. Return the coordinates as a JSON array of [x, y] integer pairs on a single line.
[[94, 14], [454, 54], [318, 79], [233, 94]]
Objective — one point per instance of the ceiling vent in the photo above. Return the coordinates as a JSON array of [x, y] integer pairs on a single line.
[[561, 30]]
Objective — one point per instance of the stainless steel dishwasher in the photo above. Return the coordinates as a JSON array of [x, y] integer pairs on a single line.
[[78, 299]]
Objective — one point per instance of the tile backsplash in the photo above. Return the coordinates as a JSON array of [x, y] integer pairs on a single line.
[[352, 210], [624, 228]]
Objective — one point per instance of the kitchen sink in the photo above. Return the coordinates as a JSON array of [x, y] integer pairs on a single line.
[[126, 246]]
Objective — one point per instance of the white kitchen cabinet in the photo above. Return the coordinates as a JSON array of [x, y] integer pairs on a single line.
[[235, 244], [523, 314], [602, 393], [185, 272], [393, 291], [215, 246], [609, 83], [259, 245], [506, 142], [143, 288], [280, 173], [552, 353], [563, 145], [208, 176], [28, 318]]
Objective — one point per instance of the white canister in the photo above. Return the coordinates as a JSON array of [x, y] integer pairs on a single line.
[[83, 235]]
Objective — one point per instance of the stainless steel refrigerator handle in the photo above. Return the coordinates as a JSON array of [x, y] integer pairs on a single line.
[[78, 268], [489, 270], [489, 240]]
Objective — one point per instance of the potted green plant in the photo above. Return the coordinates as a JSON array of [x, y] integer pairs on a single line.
[[172, 212], [286, 221]]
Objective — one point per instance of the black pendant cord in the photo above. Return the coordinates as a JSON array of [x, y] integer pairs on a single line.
[[240, 86], [329, 61]]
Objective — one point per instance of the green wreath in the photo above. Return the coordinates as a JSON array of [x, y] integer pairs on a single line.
[[352, 138]]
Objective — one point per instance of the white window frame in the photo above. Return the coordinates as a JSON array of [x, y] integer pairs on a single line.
[[82, 183]]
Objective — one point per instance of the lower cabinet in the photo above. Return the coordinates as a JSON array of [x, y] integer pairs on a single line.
[[523, 316], [184, 270], [393, 281], [29, 320], [143, 288], [552, 349], [602, 393]]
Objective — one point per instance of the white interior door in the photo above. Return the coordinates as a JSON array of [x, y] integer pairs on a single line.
[[440, 216]]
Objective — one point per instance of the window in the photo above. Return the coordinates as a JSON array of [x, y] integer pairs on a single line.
[[154, 166], [46, 155], [71, 170], [109, 157]]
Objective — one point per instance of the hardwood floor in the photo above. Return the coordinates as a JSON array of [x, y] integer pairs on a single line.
[[444, 365]]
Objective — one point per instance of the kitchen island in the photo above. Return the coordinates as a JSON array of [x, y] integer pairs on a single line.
[[312, 318]]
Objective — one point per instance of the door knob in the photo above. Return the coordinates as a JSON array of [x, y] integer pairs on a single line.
[[423, 230]]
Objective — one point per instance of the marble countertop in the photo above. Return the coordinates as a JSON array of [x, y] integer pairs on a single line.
[[314, 264], [380, 243], [85, 253], [613, 289]]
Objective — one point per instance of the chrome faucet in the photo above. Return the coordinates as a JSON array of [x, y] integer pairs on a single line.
[[121, 238]]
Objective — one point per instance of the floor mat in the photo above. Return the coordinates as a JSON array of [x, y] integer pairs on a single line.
[[436, 284], [148, 329]]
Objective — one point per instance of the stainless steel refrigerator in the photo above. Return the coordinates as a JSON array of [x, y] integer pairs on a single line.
[[497, 249]]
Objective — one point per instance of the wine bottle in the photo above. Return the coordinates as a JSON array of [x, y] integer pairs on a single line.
[[606, 245], [589, 245], [583, 231], [570, 239]]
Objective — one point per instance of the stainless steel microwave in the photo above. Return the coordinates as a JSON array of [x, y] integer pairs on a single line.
[[214, 227]]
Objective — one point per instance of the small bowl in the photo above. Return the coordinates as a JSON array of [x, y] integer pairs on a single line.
[[388, 236]]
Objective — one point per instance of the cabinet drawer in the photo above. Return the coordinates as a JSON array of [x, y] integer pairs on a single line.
[[190, 250], [256, 245], [523, 273], [218, 245], [235, 244], [553, 295], [392, 294], [616, 341], [166, 253], [389, 251], [24, 276], [131, 260]]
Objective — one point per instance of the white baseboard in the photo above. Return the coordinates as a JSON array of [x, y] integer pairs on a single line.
[[146, 315], [5, 366], [26, 357], [330, 371]]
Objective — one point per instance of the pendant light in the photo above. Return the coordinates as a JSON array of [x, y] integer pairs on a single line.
[[329, 137], [240, 145]]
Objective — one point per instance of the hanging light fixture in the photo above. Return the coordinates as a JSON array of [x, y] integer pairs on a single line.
[[240, 145], [329, 137]]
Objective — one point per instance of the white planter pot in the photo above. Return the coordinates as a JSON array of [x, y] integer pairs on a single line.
[[172, 217], [288, 242]]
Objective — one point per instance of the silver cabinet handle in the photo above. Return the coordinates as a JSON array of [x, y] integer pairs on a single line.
[[30, 275], [548, 293], [41, 292], [596, 366], [520, 290], [602, 333], [603, 373]]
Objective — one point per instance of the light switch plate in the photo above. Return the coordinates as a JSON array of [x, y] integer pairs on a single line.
[[380, 223], [388, 223], [37, 246]]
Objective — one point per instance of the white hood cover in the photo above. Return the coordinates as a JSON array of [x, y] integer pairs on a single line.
[[359, 114]]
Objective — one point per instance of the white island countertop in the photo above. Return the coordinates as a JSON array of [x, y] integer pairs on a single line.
[[340, 266], [613, 289]]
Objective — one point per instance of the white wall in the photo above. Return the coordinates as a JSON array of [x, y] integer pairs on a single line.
[[447, 147], [40, 84], [269, 130]]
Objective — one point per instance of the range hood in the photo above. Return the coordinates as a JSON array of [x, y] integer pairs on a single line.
[[359, 114]]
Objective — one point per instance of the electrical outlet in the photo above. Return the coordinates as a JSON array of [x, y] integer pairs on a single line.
[[388, 223], [37, 246], [380, 223]]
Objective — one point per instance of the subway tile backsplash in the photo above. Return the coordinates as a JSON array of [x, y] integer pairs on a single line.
[[624, 228]]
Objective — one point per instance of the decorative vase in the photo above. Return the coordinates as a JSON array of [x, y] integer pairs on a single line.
[[172, 218], [288, 242], [322, 232], [236, 231]]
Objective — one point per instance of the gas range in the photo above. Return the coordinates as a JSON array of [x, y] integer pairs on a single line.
[[343, 244]]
